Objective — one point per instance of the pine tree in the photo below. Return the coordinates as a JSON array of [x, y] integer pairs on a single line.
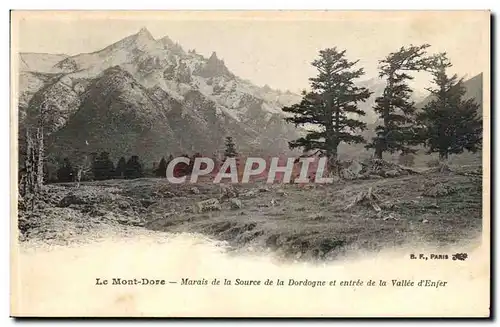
[[331, 106], [230, 151], [134, 168], [103, 167], [65, 173], [161, 171], [450, 123], [121, 166], [394, 106]]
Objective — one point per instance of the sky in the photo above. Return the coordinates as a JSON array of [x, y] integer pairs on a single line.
[[274, 48]]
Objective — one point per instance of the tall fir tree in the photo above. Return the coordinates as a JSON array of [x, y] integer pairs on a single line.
[[451, 123], [121, 166], [230, 151], [103, 167], [395, 108], [65, 173], [161, 171], [134, 168], [331, 106]]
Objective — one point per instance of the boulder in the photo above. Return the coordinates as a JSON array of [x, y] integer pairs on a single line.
[[248, 195], [208, 205], [351, 170], [235, 204], [280, 192], [392, 173], [438, 190], [71, 199], [228, 192], [194, 190]]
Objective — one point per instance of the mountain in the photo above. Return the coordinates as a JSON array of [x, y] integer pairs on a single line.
[[150, 98], [40, 62], [473, 90]]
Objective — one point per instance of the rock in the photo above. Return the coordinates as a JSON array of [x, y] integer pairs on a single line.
[[235, 204], [425, 221], [71, 199], [227, 192], [274, 202], [123, 220], [375, 177], [146, 203], [352, 171], [438, 190], [97, 212], [387, 205], [137, 222], [392, 173], [281, 192], [168, 194], [263, 189], [208, 205], [317, 216], [390, 217], [194, 190], [123, 204], [248, 195]]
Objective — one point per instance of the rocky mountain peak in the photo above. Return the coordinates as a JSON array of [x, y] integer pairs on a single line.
[[214, 67], [143, 40], [149, 97], [145, 32], [166, 42], [213, 57]]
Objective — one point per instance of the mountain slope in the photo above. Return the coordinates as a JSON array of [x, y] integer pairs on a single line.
[[473, 90], [149, 97], [39, 62], [116, 114]]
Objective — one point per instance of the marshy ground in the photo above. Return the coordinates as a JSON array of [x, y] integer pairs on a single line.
[[299, 222]]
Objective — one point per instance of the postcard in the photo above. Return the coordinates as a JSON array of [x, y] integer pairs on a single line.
[[250, 163]]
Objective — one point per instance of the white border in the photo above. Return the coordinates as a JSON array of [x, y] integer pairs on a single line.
[[184, 4]]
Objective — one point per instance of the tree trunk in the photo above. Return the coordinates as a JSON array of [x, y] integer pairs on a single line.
[[34, 178], [443, 156], [39, 155], [332, 163], [78, 177], [378, 152]]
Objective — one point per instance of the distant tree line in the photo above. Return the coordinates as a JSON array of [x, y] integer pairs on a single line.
[[102, 167], [182, 169]]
